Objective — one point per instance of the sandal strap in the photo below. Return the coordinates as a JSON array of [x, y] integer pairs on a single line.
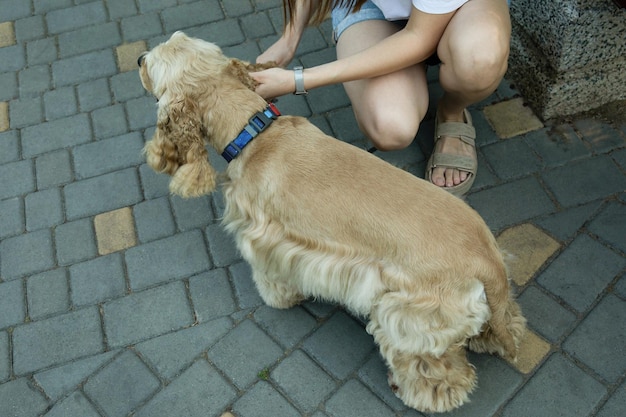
[[463, 131], [460, 162]]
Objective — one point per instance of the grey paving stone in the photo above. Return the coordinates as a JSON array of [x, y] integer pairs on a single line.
[[56, 340], [141, 113], [60, 103], [43, 6], [599, 342], [153, 219], [192, 213], [5, 357], [537, 305], [511, 203], [19, 399], [101, 194], [70, 18], [620, 157], [9, 146], [148, 5], [221, 245], [512, 158], [244, 352], [48, 293], [120, 8], [122, 385], [12, 58], [26, 111], [192, 14], [8, 86], [581, 272], [222, 33], [76, 404], [109, 121], [126, 86], [610, 225], [565, 224], [616, 404], [155, 185], [75, 242], [141, 27], [82, 68], [288, 327], [176, 257], [97, 280], [108, 155], [354, 400], [12, 307], [26, 254], [172, 353], [34, 80], [58, 382], [11, 217], [590, 181], [263, 399], [87, 39], [578, 392], [257, 25], [93, 94], [41, 51], [55, 135], [43, 209], [211, 295], [237, 8], [147, 314], [198, 392], [53, 169], [340, 345], [245, 289], [374, 374], [303, 381], [558, 146], [600, 136]]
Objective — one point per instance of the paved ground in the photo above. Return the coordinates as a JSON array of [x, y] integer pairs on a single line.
[[117, 299]]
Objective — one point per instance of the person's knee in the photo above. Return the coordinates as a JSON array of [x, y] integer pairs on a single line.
[[392, 131]]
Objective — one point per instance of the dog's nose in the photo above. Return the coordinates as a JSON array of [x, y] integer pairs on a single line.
[[141, 58]]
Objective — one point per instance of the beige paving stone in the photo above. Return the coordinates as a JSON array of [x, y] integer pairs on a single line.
[[532, 350], [127, 55], [511, 118], [4, 116], [529, 248], [7, 34], [115, 231]]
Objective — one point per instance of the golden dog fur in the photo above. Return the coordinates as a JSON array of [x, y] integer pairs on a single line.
[[316, 217]]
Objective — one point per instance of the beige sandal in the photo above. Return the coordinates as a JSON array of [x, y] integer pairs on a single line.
[[466, 133]]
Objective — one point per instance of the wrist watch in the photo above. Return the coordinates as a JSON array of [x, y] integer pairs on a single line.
[[299, 79]]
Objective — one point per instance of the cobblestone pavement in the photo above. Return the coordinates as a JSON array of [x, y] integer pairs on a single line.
[[117, 299]]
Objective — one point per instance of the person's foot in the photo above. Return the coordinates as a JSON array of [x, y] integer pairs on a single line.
[[453, 163]]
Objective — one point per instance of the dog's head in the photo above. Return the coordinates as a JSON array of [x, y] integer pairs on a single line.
[[188, 77]]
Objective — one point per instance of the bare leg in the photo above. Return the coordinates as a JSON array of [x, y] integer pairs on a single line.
[[474, 51], [388, 108]]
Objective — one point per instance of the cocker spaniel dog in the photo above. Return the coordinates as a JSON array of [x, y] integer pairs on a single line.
[[317, 217]]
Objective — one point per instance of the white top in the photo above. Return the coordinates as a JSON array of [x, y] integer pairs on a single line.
[[401, 9]]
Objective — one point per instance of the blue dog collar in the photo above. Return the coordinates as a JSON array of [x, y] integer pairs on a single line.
[[257, 123]]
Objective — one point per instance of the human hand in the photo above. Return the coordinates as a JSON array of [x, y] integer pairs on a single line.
[[274, 82], [281, 52]]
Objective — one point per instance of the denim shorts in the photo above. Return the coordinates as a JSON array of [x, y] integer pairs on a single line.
[[342, 18]]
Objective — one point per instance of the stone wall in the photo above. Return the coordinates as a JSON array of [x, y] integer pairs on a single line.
[[568, 56]]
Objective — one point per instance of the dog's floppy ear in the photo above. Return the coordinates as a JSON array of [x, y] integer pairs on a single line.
[[177, 148], [241, 69]]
